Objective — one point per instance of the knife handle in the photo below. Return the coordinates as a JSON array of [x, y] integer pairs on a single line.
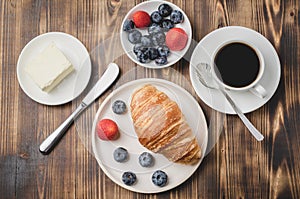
[[48, 144]]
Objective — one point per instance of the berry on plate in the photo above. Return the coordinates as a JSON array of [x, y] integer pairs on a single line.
[[143, 56], [176, 39], [146, 159], [119, 107], [153, 53], [141, 19], [120, 154], [134, 36], [167, 24], [154, 28], [156, 17], [128, 25], [163, 51], [129, 178], [159, 178], [138, 47], [164, 9], [146, 40], [107, 129], [158, 38], [161, 60], [176, 17]]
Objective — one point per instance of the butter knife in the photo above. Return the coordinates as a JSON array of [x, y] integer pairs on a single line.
[[103, 83]]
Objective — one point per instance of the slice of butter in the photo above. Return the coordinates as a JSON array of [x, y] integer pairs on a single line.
[[49, 68]]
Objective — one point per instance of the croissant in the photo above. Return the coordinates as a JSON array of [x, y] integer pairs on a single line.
[[161, 126]]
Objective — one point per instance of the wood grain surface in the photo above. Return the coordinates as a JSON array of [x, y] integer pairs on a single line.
[[237, 167]]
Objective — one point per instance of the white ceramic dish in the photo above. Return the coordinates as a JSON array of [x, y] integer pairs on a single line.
[[72, 85], [149, 7], [103, 150], [246, 100]]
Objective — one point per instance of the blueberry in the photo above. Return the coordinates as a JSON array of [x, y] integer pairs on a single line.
[[154, 28], [128, 25], [176, 17], [143, 56], [163, 51], [138, 47], [119, 107], [146, 40], [158, 38], [153, 53], [159, 178], [161, 60], [134, 36], [146, 159], [120, 154], [164, 10], [129, 178], [156, 17], [167, 24]]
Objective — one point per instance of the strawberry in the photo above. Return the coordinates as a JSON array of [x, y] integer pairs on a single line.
[[107, 129], [141, 19], [176, 39]]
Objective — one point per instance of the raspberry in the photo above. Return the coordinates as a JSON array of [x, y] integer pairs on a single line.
[[176, 39], [141, 19], [107, 129]]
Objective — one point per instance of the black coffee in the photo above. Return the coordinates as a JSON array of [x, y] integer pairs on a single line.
[[238, 64]]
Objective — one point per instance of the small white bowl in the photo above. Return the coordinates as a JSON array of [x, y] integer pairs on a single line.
[[149, 7]]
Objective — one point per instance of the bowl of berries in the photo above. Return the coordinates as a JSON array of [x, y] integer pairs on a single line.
[[156, 34]]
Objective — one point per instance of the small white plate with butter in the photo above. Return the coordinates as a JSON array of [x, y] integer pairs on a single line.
[[54, 66]]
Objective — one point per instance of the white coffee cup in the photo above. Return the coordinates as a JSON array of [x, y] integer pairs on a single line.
[[228, 56]]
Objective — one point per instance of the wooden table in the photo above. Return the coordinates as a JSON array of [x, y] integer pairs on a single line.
[[237, 167]]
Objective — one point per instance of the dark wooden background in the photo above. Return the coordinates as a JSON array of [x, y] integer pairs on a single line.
[[237, 167]]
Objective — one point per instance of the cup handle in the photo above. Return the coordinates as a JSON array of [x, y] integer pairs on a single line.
[[259, 91]]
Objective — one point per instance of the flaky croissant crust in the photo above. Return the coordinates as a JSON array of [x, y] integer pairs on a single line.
[[161, 126]]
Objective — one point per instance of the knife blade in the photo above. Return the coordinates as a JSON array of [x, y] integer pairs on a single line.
[[108, 77]]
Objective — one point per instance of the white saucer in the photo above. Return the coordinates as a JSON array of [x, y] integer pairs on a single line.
[[245, 100], [103, 150], [72, 85]]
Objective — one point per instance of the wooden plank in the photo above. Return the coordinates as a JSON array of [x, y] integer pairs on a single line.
[[237, 167]]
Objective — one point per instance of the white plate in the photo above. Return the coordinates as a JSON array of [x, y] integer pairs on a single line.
[[72, 85], [103, 150], [149, 7], [245, 100]]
